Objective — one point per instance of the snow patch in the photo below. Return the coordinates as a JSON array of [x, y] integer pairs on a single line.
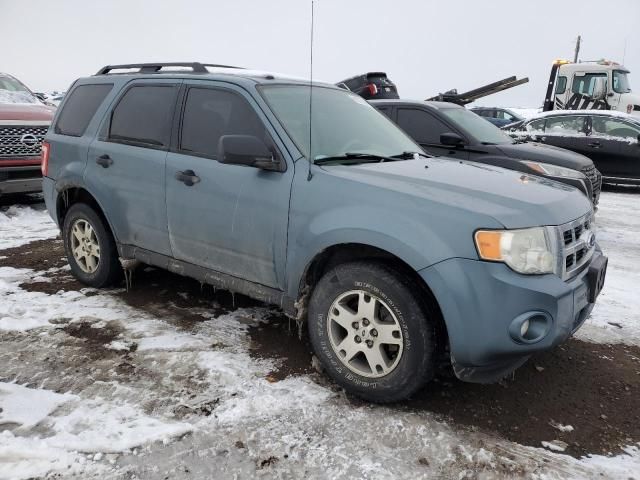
[[20, 225]]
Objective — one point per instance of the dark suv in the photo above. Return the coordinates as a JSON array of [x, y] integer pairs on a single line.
[[24, 120], [393, 258], [449, 130]]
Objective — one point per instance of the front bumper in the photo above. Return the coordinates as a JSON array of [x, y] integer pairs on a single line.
[[20, 179], [482, 301]]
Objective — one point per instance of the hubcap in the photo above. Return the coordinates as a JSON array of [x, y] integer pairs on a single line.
[[85, 246], [365, 334]]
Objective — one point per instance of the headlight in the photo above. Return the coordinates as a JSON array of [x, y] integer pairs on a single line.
[[553, 170], [530, 250]]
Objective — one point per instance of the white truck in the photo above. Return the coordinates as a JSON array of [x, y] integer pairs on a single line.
[[599, 85]]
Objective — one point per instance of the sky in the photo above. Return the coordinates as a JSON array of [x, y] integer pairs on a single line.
[[425, 46]]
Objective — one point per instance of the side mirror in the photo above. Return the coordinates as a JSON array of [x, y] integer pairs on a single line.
[[599, 88], [246, 150], [451, 139]]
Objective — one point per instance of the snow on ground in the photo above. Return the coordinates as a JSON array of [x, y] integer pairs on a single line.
[[616, 316], [21, 224], [155, 399]]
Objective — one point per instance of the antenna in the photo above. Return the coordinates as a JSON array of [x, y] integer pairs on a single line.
[[577, 52], [624, 52], [310, 175]]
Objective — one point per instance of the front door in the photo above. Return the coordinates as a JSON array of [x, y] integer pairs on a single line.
[[233, 218], [126, 164], [426, 129], [615, 147]]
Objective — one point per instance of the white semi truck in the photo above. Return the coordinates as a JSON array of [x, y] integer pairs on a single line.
[[599, 85]]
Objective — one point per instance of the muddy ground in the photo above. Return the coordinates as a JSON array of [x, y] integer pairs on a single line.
[[595, 388]]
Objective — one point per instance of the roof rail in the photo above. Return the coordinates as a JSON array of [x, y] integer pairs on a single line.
[[197, 67]]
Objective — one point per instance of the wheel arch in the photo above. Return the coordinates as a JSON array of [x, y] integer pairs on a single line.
[[71, 195]]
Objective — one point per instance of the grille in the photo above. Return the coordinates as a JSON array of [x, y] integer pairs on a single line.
[[595, 178], [11, 145], [579, 246]]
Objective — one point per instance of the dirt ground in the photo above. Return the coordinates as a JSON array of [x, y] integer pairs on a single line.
[[595, 388]]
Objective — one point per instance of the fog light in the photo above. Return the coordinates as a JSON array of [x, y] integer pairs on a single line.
[[524, 328]]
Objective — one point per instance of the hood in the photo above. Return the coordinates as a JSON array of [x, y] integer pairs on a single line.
[[539, 152], [26, 112], [513, 199]]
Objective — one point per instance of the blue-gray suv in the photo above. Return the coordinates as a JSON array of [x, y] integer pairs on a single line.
[[308, 198]]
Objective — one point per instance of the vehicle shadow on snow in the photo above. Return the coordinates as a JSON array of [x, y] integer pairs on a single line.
[[593, 388]]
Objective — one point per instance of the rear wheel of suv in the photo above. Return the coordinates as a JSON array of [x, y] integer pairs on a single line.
[[90, 247], [371, 333]]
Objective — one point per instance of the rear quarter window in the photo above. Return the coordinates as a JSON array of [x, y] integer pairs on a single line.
[[80, 107]]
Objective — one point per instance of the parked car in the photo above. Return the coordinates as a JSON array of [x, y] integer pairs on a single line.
[[393, 258], [498, 116], [443, 128], [24, 120], [610, 139]]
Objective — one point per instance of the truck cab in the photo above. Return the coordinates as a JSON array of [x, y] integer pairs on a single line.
[[601, 85]]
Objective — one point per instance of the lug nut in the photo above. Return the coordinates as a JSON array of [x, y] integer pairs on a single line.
[[365, 322], [374, 333], [358, 339], [369, 343], [355, 325]]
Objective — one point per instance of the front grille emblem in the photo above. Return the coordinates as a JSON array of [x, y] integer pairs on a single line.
[[29, 140]]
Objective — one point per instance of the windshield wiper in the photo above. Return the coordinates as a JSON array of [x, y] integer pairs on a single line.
[[410, 155], [354, 158]]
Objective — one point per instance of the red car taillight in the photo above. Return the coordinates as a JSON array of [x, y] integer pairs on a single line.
[[44, 166]]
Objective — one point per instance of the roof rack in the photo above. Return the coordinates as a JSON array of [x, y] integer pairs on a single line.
[[197, 67]]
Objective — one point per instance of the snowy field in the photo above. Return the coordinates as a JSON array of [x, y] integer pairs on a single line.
[[167, 381]]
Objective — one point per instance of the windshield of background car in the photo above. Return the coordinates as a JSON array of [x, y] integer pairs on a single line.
[[341, 122], [477, 128], [621, 82], [12, 91]]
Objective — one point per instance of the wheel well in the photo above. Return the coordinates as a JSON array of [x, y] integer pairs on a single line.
[[71, 196], [350, 252]]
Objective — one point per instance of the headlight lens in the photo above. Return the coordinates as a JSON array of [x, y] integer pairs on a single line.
[[528, 250], [553, 170]]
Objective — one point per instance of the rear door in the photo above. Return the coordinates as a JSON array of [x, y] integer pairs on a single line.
[[425, 128], [615, 148], [126, 164], [234, 219]]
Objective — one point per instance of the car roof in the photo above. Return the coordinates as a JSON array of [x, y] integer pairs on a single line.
[[428, 103], [603, 113], [203, 71]]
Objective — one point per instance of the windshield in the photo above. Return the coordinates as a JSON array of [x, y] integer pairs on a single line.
[[342, 122], [12, 91], [476, 127], [621, 82]]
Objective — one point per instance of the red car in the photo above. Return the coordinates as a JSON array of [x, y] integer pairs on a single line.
[[24, 121]]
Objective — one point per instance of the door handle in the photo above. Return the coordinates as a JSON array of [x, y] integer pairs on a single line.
[[595, 144], [104, 161], [188, 177]]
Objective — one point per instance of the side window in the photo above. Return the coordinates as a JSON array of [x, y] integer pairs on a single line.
[[585, 83], [535, 126], [80, 107], [421, 126], [607, 127], [143, 116], [210, 114], [565, 126], [561, 85], [385, 110]]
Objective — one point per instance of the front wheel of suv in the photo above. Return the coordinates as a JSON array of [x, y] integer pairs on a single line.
[[90, 247], [372, 334]]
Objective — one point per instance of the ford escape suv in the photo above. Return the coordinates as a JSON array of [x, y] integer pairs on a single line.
[[392, 258]]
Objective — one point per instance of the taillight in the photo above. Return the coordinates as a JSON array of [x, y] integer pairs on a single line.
[[44, 165], [373, 89]]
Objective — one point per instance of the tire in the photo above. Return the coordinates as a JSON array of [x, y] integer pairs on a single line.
[[401, 355], [95, 271]]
